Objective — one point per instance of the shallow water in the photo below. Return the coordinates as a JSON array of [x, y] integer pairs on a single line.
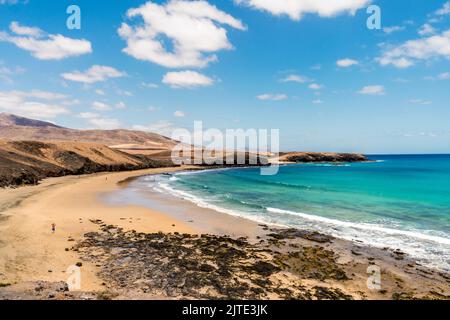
[[398, 201]]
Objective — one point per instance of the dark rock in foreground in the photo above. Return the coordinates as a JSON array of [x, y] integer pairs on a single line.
[[207, 266]]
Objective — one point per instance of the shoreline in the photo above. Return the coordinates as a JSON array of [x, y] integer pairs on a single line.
[[30, 252], [28, 249], [234, 217]]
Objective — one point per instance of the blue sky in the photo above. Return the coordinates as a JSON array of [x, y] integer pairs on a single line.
[[309, 68]]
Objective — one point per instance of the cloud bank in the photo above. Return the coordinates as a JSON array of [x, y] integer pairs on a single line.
[[194, 28]]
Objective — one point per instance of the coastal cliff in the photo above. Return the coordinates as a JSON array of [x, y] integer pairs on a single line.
[[28, 162]]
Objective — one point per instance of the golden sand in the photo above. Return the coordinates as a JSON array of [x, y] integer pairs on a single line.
[[29, 251]]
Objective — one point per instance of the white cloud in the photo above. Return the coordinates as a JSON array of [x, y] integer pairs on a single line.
[[88, 115], [392, 29], [100, 106], [426, 29], [401, 80], [120, 105], [315, 86], [406, 54], [272, 97], [20, 30], [441, 76], [9, 2], [186, 79], [179, 114], [317, 101], [45, 46], [430, 134], [295, 78], [193, 27], [72, 102], [6, 73], [420, 101], [149, 85], [345, 63], [94, 74], [295, 9], [100, 92], [45, 95], [35, 104], [373, 90], [444, 10], [121, 92], [444, 76], [39, 94], [105, 123], [162, 127], [99, 122]]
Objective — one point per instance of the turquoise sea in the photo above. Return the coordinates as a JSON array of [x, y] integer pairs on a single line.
[[397, 201]]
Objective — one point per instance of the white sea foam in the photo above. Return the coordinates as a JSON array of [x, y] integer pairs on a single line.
[[430, 249], [364, 226], [206, 204], [185, 173]]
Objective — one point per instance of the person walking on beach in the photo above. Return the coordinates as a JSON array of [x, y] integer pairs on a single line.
[[53, 227]]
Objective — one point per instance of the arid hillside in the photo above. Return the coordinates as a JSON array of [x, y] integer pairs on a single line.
[[13, 127], [31, 150], [27, 162]]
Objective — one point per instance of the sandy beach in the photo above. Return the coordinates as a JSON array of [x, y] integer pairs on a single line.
[[29, 251]]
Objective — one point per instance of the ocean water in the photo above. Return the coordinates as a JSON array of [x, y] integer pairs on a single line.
[[400, 202]]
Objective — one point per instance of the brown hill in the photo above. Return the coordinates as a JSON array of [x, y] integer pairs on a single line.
[[7, 119], [27, 162], [13, 127], [33, 149]]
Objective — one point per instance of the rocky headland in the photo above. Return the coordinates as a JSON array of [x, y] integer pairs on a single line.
[[312, 157]]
